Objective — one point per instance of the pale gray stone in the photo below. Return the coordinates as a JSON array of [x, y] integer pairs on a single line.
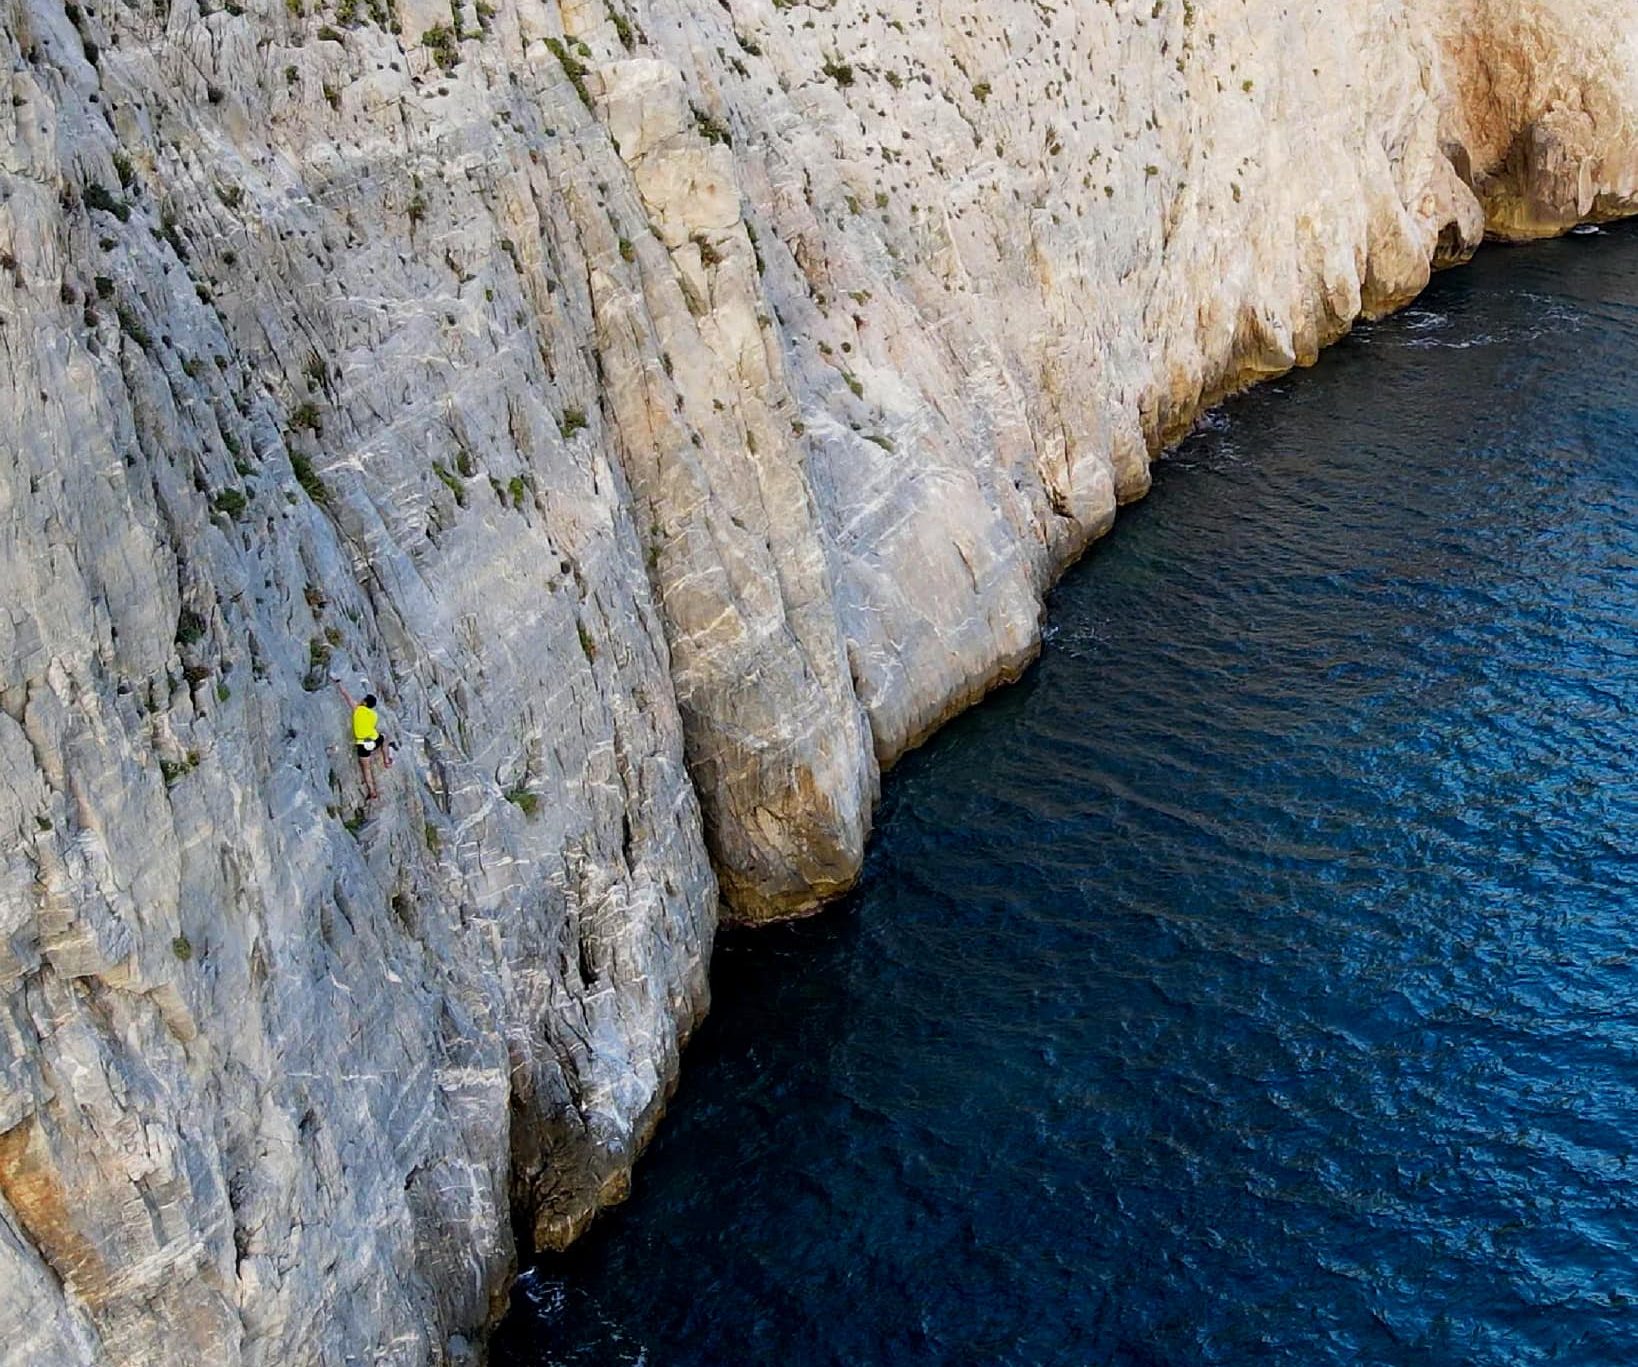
[[673, 419]]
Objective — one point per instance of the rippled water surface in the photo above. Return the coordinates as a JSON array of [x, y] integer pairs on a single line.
[[1253, 983]]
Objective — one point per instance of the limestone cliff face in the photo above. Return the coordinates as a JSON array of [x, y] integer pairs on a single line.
[[675, 410]]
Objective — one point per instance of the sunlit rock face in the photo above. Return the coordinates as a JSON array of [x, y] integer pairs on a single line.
[[673, 411]]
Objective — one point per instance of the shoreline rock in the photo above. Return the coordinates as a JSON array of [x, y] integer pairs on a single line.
[[675, 412]]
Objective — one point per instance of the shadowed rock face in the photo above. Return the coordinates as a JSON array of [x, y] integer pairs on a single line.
[[674, 411]]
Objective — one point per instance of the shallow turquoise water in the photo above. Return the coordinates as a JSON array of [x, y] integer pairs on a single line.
[[1253, 983]]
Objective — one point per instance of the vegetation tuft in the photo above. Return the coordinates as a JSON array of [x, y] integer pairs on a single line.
[[840, 72], [190, 628], [444, 45], [713, 130], [573, 68], [308, 478], [525, 801], [447, 478], [98, 196]]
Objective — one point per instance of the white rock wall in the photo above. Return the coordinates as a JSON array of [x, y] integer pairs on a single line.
[[674, 410]]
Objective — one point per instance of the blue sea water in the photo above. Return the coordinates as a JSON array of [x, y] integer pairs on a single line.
[[1257, 981]]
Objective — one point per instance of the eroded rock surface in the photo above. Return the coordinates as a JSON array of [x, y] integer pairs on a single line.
[[674, 410]]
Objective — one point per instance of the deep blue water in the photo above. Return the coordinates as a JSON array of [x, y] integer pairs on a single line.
[[1256, 981]]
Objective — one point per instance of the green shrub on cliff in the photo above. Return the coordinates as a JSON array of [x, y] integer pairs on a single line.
[[444, 45]]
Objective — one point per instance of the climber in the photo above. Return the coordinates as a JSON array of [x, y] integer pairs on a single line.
[[367, 739]]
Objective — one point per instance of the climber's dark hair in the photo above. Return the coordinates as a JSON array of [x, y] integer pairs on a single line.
[[369, 700]]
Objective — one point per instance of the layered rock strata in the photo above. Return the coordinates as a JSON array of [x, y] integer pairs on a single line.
[[674, 410]]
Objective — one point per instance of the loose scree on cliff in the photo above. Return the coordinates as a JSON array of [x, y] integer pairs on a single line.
[[686, 407]]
